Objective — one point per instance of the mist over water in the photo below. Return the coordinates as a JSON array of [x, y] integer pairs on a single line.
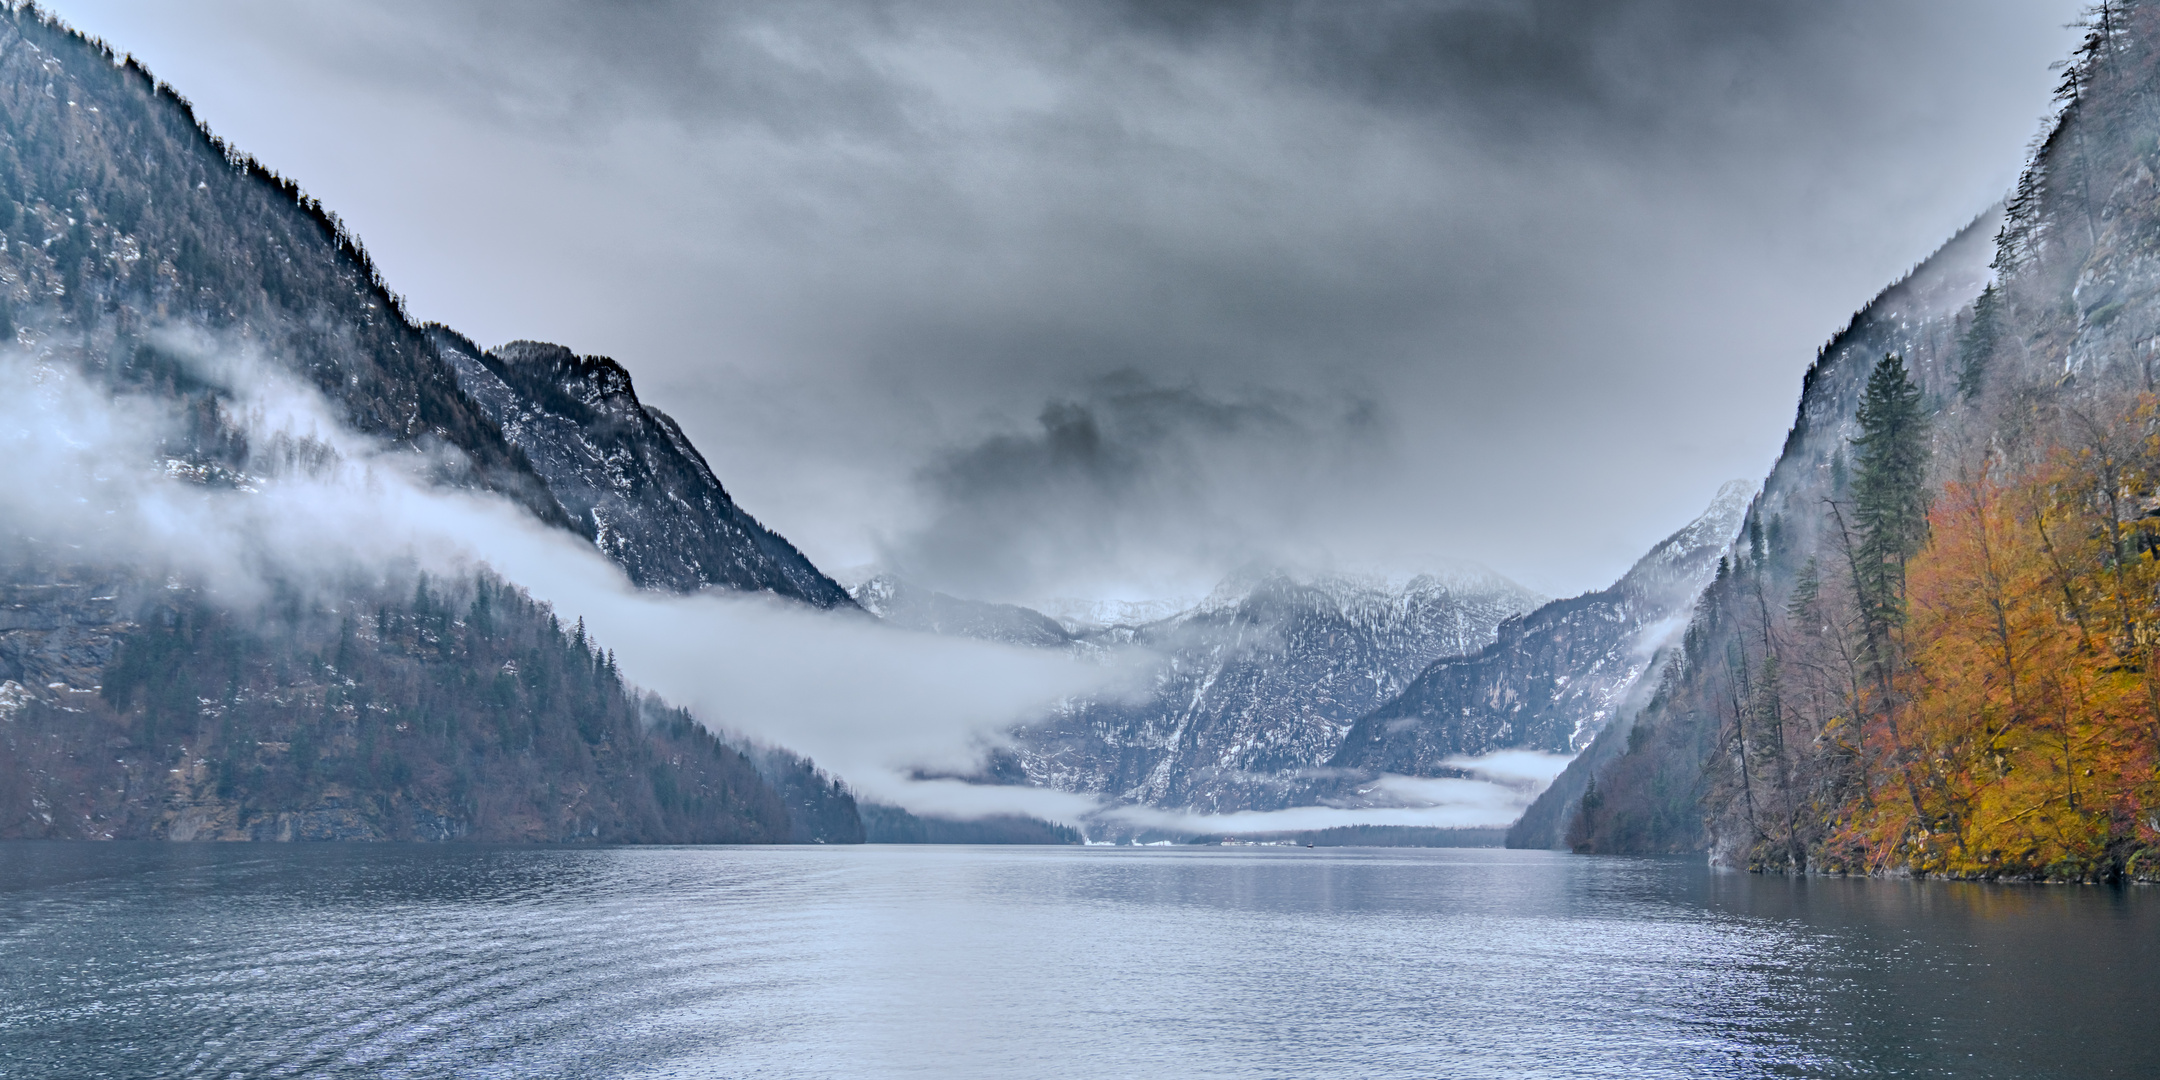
[[400, 961]]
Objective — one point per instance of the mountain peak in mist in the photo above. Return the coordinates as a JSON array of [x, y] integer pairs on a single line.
[[1253, 687], [911, 607]]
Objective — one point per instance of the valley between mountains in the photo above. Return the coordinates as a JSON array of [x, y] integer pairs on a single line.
[[1924, 643]]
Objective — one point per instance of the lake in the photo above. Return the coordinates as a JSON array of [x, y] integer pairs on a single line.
[[442, 961]]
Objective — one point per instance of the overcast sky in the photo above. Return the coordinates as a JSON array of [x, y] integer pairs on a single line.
[[1034, 300]]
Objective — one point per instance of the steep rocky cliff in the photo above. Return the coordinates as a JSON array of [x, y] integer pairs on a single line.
[[625, 473], [1991, 715], [1946, 663]]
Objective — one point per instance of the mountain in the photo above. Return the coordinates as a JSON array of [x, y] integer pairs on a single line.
[[911, 607], [122, 215], [125, 219], [1554, 677], [1257, 685], [135, 247], [132, 709], [625, 473], [1916, 318], [1935, 655], [1282, 690]]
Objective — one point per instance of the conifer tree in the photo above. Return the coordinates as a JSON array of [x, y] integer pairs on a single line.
[[1890, 508], [1890, 493], [1977, 345]]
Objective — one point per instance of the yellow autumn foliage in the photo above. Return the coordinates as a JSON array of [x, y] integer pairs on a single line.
[[2024, 730]]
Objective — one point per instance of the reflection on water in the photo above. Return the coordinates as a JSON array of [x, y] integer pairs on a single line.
[[130, 961]]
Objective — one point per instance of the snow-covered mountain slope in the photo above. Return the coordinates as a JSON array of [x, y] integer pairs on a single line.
[[1083, 616], [1258, 684], [625, 473], [1556, 676]]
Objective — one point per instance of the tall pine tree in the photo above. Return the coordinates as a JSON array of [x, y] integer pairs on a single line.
[[1889, 485], [1890, 507], [1977, 345]]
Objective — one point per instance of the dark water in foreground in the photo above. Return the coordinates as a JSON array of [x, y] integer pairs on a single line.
[[136, 961]]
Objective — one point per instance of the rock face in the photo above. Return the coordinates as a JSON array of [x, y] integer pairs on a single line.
[[60, 627], [1258, 685], [1556, 676], [624, 472]]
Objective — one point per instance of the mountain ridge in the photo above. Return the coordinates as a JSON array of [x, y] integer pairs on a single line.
[[624, 470], [1252, 688]]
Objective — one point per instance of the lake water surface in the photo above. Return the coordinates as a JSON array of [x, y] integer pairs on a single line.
[[366, 961]]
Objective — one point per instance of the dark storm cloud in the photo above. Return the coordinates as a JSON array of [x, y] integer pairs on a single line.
[[1577, 252], [1207, 483]]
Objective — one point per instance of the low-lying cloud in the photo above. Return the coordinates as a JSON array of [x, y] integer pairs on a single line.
[[1497, 789], [317, 502], [320, 502]]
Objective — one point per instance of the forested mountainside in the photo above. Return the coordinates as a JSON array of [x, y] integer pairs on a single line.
[[626, 472], [1936, 651], [121, 214], [1555, 676], [1915, 318], [1256, 686], [132, 240], [411, 710]]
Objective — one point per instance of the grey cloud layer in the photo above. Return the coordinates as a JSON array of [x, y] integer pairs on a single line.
[[1574, 255], [1205, 483]]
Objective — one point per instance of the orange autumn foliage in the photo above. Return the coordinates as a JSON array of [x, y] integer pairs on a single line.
[[2025, 727]]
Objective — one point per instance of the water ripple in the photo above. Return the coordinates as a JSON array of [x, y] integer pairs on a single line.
[[941, 962]]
